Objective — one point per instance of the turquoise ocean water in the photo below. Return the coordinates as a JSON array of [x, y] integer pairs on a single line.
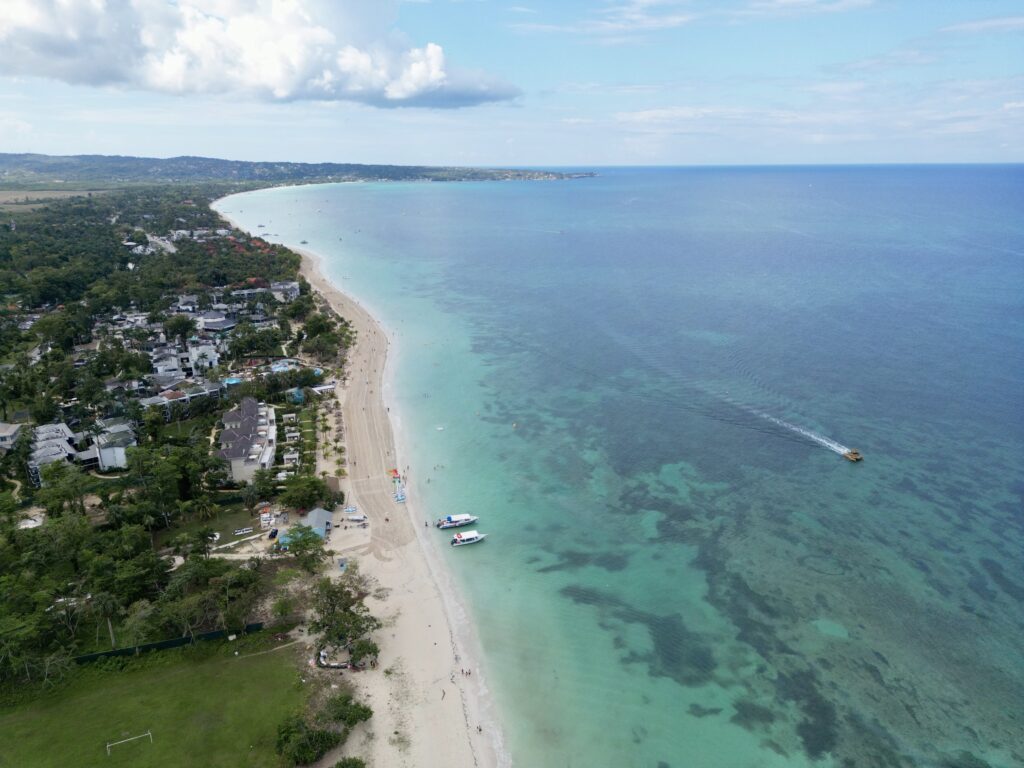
[[633, 379]]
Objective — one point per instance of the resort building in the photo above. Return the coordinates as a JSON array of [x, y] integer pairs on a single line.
[[215, 321], [203, 357], [247, 293], [8, 435], [51, 443], [112, 444], [107, 449], [188, 302], [249, 439], [285, 291]]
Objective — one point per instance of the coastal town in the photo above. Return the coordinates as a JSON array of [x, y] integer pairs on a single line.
[[175, 451], [462, 384]]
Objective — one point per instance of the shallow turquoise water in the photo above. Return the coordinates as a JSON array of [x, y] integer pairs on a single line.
[[675, 577]]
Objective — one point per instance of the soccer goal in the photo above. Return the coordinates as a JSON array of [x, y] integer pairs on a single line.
[[147, 734]]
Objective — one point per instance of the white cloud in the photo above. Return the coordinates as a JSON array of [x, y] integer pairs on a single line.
[[903, 57], [900, 113], [838, 89], [1003, 24], [274, 49], [759, 7], [13, 127], [626, 20], [622, 19]]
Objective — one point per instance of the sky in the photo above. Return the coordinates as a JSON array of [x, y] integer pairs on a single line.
[[517, 82]]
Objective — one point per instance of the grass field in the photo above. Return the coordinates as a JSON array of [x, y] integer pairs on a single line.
[[183, 429], [27, 200], [215, 710], [230, 518]]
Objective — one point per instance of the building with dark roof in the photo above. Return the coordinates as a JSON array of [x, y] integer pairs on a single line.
[[249, 439]]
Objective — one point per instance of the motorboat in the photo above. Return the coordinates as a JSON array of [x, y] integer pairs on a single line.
[[852, 455], [456, 521], [468, 537]]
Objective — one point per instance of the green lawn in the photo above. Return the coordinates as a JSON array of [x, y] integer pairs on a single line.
[[182, 429], [229, 519], [307, 449], [215, 710]]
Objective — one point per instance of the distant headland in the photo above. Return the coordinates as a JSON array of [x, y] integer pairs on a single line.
[[29, 171]]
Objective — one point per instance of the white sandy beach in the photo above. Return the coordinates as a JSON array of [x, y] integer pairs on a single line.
[[426, 711]]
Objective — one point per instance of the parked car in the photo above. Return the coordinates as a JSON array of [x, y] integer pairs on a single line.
[[273, 533]]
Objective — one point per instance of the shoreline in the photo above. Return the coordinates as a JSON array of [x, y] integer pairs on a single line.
[[425, 711]]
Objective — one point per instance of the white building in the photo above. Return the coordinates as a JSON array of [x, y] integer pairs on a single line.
[[52, 443], [285, 291], [113, 443], [202, 357], [8, 435]]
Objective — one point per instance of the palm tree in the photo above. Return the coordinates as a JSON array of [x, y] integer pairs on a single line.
[[184, 511], [204, 508], [107, 606], [182, 545], [204, 541], [7, 392], [250, 497], [148, 521]]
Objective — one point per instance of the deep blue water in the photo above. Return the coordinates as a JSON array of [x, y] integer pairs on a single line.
[[632, 372]]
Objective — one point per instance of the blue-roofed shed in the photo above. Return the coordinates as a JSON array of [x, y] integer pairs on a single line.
[[319, 520]]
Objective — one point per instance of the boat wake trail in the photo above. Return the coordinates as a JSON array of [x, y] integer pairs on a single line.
[[671, 388], [803, 434], [821, 440]]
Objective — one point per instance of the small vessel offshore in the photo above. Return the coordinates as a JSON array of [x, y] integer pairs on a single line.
[[456, 521], [469, 537], [852, 455]]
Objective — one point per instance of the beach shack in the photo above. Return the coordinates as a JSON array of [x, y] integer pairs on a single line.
[[319, 520]]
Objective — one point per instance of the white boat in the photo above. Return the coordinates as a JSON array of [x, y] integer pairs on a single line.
[[456, 521], [469, 537]]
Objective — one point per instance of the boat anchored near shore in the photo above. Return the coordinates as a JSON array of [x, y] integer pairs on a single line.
[[455, 521], [468, 537]]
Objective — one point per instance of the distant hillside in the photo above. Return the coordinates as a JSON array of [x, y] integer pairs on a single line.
[[30, 170]]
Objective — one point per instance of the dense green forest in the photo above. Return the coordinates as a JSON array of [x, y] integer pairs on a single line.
[[71, 249], [99, 574]]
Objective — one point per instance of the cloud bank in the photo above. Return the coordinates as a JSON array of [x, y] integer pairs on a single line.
[[279, 50]]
